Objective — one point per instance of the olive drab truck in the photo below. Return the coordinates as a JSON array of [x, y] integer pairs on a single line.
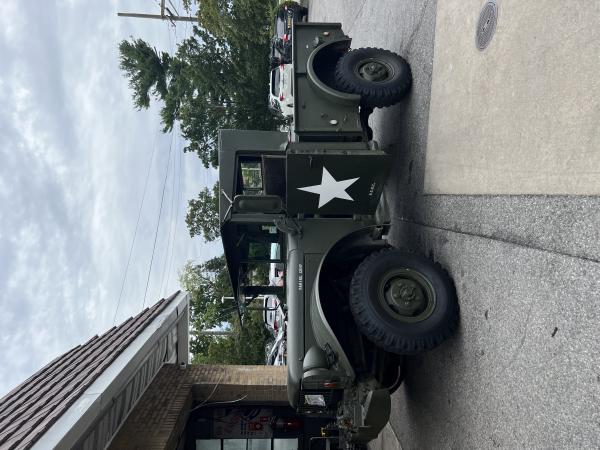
[[305, 201]]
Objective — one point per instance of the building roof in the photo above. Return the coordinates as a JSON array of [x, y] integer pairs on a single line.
[[31, 408]]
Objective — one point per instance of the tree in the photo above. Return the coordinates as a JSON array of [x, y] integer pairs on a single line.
[[218, 78], [207, 283], [203, 214], [146, 70], [245, 345]]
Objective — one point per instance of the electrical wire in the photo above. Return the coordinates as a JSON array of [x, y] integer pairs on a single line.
[[217, 384], [224, 402], [162, 198], [172, 44], [176, 218], [162, 278], [137, 224]]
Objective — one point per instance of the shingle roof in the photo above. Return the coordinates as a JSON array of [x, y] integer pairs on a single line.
[[31, 408]]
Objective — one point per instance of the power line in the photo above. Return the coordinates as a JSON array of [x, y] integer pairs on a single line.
[[176, 217], [170, 241], [162, 198], [173, 6], [136, 226], [169, 244]]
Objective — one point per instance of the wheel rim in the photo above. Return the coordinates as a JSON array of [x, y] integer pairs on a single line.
[[406, 295], [374, 70]]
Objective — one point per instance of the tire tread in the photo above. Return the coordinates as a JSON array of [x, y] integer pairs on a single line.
[[376, 98], [377, 334]]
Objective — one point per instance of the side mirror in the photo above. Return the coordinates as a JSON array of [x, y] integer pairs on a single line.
[[265, 204]]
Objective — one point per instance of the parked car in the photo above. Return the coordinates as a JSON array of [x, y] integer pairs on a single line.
[[281, 97], [278, 354], [274, 315], [287, 13]]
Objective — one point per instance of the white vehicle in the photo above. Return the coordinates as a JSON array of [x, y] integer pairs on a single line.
[[274, 316], [278, 354], [281, 97]]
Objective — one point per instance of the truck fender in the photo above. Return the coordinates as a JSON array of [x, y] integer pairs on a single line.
[[320, 69], [366, 240]]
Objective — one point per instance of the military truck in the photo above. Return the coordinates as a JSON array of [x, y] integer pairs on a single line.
[[306, 201]]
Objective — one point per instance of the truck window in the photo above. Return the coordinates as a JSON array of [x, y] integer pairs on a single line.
[[261, 250], [250, 180], [274, 175]]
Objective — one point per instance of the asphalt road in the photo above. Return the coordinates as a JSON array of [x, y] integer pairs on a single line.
[[524, 369]]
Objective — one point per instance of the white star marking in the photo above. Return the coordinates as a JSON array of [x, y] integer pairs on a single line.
[[330, 188]]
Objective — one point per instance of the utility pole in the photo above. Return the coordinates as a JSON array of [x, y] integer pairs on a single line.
[[215, 333], [165, 14], [260, 298]]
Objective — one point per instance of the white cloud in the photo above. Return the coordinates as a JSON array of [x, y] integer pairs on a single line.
[[74, 157]]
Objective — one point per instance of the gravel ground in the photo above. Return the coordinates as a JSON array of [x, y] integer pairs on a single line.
[[524, 369]]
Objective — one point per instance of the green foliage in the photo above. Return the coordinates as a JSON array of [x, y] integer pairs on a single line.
[[146, 71], [207, 284], [218, 78], [245, 345], [203, 214]]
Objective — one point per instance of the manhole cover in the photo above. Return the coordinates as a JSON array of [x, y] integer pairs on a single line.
[[486, 26]]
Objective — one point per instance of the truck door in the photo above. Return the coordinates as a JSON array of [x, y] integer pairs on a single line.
[[335, 183]]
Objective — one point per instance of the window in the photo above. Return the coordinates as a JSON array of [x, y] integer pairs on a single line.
[[255, 243], [208, 444], [285, 444], [250, 180], [249, 177], [247, 444], [275, 80], [261, 253]]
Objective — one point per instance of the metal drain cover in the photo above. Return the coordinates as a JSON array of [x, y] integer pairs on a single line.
[[486, 25]]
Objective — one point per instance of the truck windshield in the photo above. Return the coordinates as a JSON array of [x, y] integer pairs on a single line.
[[250, 177]]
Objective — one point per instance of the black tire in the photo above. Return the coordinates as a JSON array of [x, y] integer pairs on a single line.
[[380, 77], [382, 287]]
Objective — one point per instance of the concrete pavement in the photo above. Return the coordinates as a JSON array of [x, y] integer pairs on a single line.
[[522, 116], [524, 370]]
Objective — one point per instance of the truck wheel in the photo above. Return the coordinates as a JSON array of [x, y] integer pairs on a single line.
[[402, 302], [379, 76]]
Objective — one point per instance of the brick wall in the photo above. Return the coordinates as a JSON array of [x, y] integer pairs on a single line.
[[160, 416], [253, 383]]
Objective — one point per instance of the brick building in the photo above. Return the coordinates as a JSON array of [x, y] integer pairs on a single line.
[[132, 388]]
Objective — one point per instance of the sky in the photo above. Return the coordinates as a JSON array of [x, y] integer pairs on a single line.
[[74, 159]]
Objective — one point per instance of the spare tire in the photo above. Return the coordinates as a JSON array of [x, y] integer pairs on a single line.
[[380, 77]]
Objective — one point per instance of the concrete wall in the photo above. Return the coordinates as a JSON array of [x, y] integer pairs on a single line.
[[159, 418]]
